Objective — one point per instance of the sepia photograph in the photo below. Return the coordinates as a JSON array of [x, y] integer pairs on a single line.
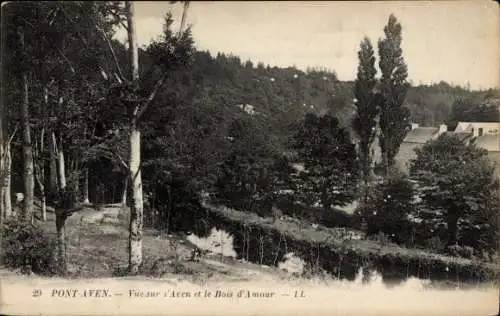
[[250, 158]]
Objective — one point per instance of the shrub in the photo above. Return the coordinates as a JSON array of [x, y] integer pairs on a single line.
[[381, 238], [178, 207], [389, 207], [329, 218], [468, 252], [448, 169], [459, 251], [25, 246], [435, 243]]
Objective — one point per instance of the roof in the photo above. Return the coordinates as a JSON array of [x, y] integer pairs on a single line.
[[461, 135], [489, 142], [488, 127], [421, 135]]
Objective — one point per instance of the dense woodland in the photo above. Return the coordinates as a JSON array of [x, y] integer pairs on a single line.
[[87, 119]]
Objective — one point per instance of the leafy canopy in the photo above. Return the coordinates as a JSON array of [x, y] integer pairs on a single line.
[[329, 158]]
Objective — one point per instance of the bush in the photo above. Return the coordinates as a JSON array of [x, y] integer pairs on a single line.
[[178, 208], [25, 246], [389, 207], [435, 243], [328, 218], [460, 251], [382, 238]]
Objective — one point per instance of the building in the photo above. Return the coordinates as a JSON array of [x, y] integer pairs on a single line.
[[478, 128], [486, 135], [416, 138]]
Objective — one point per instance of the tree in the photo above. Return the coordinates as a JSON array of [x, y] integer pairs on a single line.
[[456, 179], [329, 158], [171, 53], [136, 209], [394, 117], [28, 175], [390, 205], [366, 101], [245, 170], [5, 172], [471, 110]]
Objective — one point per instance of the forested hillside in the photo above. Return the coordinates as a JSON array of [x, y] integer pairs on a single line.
[[216, 90], [87, 120]]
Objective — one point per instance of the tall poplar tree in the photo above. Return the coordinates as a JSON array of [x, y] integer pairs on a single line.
[[364, 123], [394, 118]]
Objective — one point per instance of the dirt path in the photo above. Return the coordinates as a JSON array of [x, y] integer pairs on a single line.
[[97, 241]]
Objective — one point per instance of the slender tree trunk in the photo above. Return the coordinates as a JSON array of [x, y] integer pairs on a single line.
[[86, 199], [76, 184], [40, 174], [61, 166], [367, 172], [61, 240], [7, 198], [184, 16], [136, 207], [61, 229], [53, 164], [44, 205], [385, 158], [125, 188], [61, 210], [29, 181], [5, 169]]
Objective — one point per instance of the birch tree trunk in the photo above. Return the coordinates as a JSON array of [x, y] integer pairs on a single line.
[[40, 174], [53, 164], [86, 199], [7, 195], [5, 167], [136, 207], [29, 182], [61, 164], [60, 211], [61, 225], [124, 194]]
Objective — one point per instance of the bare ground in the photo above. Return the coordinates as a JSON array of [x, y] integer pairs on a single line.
[[97, 242]]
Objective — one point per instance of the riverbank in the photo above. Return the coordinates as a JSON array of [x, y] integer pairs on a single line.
[[342, 257], [97, 242]]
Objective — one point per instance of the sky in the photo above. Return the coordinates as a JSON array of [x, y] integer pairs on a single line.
[[454, 41]]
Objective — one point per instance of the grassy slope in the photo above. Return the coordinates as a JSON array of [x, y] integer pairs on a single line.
[[297, 230], [99, 250]]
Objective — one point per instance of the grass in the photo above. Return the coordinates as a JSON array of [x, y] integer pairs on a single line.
[[97, 249], [296, 230], [100, 250]]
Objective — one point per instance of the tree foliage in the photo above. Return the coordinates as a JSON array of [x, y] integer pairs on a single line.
[[457, 182], [472, 110], [394, 117], [389, 209], [329, 157], [244, 173], [366, 102]]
